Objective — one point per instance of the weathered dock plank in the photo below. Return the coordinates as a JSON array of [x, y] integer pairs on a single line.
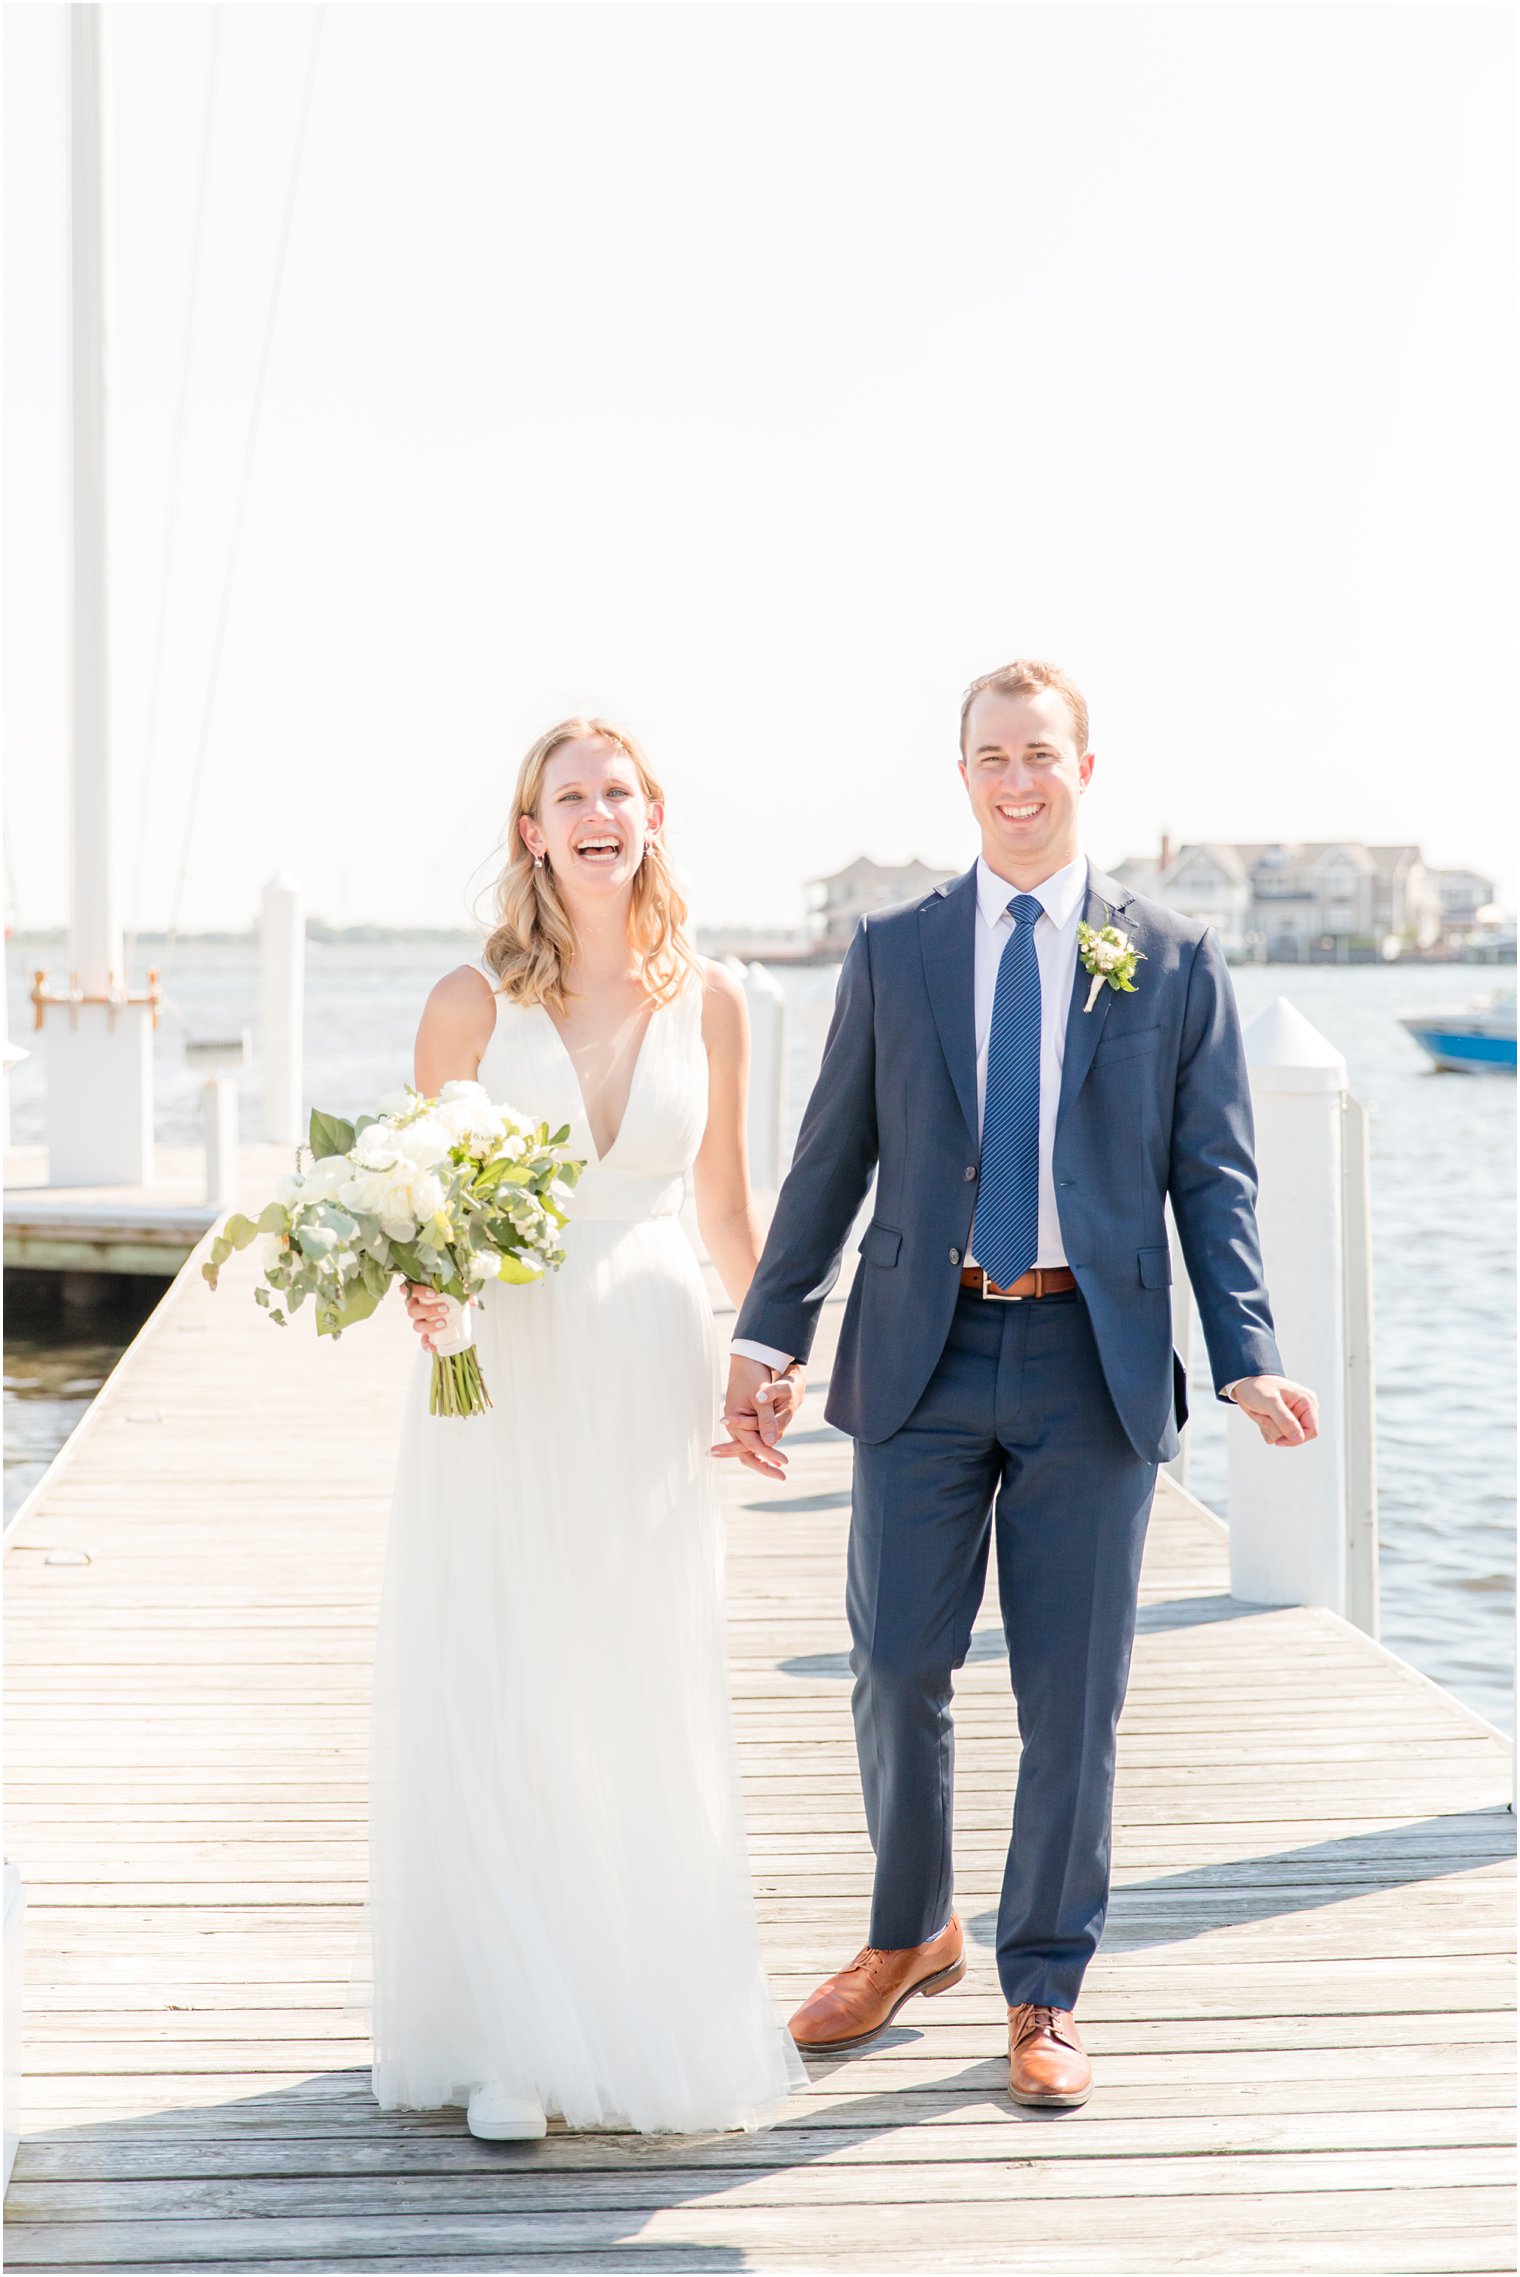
[[1300, 2014]]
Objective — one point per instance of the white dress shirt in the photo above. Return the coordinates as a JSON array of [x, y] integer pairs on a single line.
[[1061, 897], [1055, 946]]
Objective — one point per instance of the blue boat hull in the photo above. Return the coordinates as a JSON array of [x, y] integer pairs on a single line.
[[1467, 1054]]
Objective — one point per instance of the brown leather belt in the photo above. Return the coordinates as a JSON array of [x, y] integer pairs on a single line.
[[1039, 1281]]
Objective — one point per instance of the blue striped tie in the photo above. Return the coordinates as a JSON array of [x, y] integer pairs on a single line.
[[1006, 1233]]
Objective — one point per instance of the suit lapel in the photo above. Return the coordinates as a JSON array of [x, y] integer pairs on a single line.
[[947, 938], [1103, 901]]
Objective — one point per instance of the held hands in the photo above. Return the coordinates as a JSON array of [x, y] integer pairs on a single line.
[[1286, 1414], [758, 1408]]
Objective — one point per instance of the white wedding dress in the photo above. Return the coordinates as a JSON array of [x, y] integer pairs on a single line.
[[560, 1895]]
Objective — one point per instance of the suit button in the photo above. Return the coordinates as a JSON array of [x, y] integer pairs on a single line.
[[955, 1257], [970, 1172]]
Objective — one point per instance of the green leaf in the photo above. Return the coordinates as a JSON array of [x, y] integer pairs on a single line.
[[513, 1269], [273, 1218], [357, 1303], [329, 1134]]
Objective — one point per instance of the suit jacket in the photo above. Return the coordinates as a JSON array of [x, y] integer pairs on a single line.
[[1154, 1103]]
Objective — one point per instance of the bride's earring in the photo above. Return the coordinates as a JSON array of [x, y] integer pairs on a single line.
[[538, 861]]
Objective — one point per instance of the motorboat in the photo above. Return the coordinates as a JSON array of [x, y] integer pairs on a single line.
[[1477, 1038]]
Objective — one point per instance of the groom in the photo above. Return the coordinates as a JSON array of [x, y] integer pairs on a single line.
[[1005, 1363]]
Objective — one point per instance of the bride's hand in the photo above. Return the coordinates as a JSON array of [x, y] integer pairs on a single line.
[[426, 1311], [756, 1412]]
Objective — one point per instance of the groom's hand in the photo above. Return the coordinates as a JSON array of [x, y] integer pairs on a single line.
[[1286, 1414], [757, 1409]]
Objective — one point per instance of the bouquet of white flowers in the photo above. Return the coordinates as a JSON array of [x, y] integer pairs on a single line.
[[449, 1192]]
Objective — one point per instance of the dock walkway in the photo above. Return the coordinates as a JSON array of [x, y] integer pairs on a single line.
[[1299, 2017]]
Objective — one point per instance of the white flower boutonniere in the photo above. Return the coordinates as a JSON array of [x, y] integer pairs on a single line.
[[1109, 956]]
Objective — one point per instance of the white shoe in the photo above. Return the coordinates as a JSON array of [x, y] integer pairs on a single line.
[[497, 2117]]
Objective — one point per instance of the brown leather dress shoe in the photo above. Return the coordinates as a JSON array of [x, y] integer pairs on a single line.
[[1047, 2063], [852, 2007]]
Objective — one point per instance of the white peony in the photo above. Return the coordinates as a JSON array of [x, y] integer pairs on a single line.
[[422, 1143], [272, 1249], [399, 1193], [325, 1179], [472, 1123]]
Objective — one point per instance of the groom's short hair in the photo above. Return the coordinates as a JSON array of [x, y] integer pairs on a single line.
[[1026, 678]]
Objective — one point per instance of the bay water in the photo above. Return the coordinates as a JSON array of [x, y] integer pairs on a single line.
[[1442, 1149]]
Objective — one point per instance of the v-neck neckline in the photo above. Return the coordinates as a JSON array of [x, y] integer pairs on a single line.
[[599, 1158]]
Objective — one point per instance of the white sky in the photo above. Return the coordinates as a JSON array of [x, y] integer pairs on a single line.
[[760, 374]]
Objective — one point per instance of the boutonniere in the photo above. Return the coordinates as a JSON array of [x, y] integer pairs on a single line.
[[1109, 956]]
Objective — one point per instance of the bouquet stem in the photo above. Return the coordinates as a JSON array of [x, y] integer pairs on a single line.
[[458, 1387]]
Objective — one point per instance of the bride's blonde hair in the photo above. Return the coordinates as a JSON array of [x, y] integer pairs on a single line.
[[533, 944]]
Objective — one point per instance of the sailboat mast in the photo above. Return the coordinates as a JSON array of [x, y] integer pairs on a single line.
[[95, 925], [99, 1035]]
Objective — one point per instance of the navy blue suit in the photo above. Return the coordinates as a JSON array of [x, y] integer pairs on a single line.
[[1044, 1420]]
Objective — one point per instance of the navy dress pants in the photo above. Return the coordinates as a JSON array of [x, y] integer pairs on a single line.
[[1016, 1432]]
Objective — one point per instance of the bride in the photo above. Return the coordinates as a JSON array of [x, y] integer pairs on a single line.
[[561, 1906]]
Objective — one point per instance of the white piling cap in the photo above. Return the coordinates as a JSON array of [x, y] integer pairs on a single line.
[[1286, 1052], [760, 981]]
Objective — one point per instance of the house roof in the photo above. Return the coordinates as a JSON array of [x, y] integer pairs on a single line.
[[1241, 856], [863, 871], [1218, 850]]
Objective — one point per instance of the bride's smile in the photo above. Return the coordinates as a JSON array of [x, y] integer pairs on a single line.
[[594, 820]]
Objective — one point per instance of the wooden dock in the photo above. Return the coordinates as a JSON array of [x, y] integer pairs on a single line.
[[121, 1229], [1300, 2016]]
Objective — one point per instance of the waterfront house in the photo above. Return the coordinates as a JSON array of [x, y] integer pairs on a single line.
[[1295, 898], [852, 893]]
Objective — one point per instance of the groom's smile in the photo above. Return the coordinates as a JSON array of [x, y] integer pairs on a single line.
[[1025, 773]]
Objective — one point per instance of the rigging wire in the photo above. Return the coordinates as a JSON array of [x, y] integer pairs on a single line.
[[155, 685], [250, 445]]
